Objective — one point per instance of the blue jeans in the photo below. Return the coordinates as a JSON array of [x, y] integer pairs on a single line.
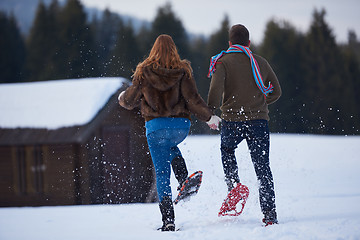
[[256, 133], [163, 136]]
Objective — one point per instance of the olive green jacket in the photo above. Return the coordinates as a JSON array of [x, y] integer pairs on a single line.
[[234, 90]]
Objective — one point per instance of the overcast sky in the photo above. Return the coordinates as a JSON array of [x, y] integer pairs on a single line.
[[205, 16]]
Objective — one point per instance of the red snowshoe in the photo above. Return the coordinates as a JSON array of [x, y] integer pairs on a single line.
[[238, 194], [190, 186]]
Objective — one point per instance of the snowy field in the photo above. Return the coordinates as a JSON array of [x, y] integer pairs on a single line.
[[317, 184]]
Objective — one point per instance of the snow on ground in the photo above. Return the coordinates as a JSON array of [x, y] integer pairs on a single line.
[[54, 104], [317, 194]]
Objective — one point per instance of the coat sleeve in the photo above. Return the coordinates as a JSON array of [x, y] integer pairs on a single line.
[[194, 101], [216, 88], [276, 93], [132, 96]]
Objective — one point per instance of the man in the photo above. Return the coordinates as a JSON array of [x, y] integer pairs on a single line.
[[242, 86]]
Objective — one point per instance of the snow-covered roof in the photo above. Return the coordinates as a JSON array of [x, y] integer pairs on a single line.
[[55, 104]]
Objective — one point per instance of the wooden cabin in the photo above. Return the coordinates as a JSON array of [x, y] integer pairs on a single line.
[[104, 160]]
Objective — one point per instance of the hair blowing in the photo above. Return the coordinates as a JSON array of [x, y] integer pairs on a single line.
[[163, 54]]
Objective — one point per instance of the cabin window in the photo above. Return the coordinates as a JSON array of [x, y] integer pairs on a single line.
[[21, 170], [29, 170], [38, 169]]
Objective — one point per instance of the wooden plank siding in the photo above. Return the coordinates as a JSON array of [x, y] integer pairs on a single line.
[[106, 161]]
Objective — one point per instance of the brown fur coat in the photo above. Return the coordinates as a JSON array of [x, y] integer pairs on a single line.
[[165, 92]]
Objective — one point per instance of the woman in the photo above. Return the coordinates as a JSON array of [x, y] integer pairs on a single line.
[[164, 87]]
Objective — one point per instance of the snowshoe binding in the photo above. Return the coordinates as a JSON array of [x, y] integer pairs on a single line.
[[190, 186]]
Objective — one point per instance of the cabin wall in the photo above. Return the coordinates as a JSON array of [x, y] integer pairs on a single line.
[[37, 175], [108, 161], [127, 169], [6, 177]]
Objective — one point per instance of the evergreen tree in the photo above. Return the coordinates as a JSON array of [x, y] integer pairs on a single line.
[[166, 22], [203, 49], [200, 64], [144, 40], [78, 57], [284, 48], [353, 45], [352, 62], [12, 50], [126, 54], [43, 44], [106, 30], [219, 40], [329, 90]]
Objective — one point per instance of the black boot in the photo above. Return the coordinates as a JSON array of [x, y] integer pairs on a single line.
[[168, 215], [180, 170]]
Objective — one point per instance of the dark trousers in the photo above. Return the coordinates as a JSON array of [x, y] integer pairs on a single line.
[[256, 133]]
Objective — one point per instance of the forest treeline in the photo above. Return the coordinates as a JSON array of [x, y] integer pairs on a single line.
[[320, 79]]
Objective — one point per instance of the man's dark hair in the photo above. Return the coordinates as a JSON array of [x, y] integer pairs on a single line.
[[239, 34]]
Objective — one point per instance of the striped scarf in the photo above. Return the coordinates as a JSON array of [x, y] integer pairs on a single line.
[[254, 66]]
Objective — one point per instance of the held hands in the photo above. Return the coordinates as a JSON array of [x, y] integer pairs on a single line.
[[214, 122]]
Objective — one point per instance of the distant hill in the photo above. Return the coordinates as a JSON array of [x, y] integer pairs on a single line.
[[25, 10]]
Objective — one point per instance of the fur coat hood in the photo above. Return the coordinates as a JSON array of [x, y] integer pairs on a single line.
[[162, 78], [163, 92]]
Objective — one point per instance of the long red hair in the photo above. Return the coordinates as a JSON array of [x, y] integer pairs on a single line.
[[163, 54]]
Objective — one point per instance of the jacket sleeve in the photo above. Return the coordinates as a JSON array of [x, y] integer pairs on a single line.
[[216, 88], [276, 93], [194, 101], [132, 96]]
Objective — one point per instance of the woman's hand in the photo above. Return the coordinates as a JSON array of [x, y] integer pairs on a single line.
[[214, 122]]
